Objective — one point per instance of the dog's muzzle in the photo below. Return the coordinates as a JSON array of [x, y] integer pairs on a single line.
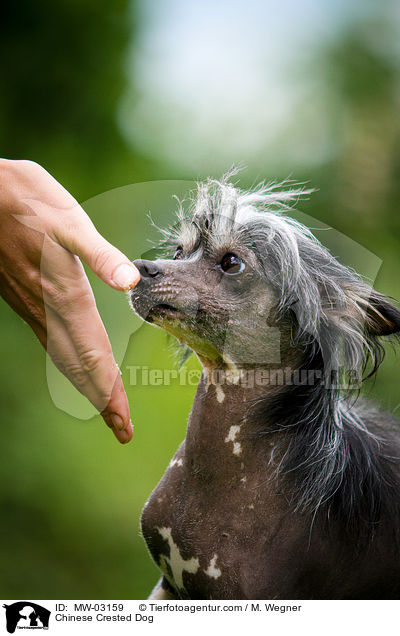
[[154, 296]]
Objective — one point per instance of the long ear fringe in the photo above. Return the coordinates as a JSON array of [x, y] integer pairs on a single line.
[[369, 316]]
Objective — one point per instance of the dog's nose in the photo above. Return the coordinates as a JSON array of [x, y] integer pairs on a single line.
[[147, 269]]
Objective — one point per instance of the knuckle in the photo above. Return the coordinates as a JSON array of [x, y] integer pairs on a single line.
[[72, 227], [33, 278], [20, 169], [75, 374], [27, 166], [66, 298], [29, 163], [91, 360], [53, 296], [79, 372]]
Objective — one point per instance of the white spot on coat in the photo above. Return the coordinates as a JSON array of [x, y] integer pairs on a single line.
[[235, 373], [176, 462], [175, 561], [220, 393], [233, 431], [231, 437], [213, 571]]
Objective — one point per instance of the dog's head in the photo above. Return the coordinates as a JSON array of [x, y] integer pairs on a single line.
[[248, 285]]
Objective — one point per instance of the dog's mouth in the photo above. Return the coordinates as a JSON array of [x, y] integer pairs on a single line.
[[147, 307], [164, 311], [187, 325]]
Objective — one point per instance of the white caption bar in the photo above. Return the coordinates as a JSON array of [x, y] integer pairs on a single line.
[[177, 617]]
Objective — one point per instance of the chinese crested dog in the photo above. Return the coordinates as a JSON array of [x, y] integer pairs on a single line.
[[286, 486]]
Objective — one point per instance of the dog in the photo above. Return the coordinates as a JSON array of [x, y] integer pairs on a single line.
[[286, 485]]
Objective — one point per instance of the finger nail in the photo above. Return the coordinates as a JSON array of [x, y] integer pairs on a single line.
[[123, 436], [117, 421], [126, 434], [125, 276]]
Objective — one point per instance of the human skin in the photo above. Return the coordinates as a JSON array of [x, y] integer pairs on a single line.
[[44, 233]]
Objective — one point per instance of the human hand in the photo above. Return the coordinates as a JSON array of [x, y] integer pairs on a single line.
[[43, 234]]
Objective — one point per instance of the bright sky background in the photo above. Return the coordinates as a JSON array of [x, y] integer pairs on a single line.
[[222, 82]]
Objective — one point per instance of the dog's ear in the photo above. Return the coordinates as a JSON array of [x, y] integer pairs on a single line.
[[383, 319], [367, 310]]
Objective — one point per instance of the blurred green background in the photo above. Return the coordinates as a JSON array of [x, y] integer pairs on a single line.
[[108, 94]]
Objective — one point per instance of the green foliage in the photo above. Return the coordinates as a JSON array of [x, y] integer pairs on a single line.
[[70, 496]]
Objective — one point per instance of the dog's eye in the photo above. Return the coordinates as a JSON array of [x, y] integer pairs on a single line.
[[178, 253], [231, 264]]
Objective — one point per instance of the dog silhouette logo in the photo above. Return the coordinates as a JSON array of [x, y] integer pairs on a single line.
[[26, 615]]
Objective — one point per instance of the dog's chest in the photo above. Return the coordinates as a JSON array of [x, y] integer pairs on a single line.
[[207, 529], [215, 522], [192, 532]]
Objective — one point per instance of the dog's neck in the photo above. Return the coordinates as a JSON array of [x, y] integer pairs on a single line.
[[219, 440]]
